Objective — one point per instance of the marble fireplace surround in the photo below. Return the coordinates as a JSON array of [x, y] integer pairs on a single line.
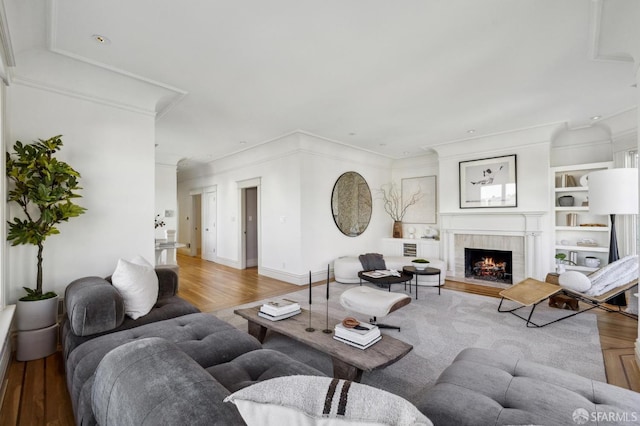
[[521, 233]]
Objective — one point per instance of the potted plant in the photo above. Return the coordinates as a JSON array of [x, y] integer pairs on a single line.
[[44, 188], [395, 207], [561, 260]]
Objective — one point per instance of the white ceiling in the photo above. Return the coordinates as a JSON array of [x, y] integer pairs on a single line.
[[391, 77]]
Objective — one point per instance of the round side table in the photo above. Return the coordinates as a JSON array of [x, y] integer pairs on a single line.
[[426, 271]]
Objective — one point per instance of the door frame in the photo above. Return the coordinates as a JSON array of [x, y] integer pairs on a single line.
[[242, 208], [193, 233], [205, 221]]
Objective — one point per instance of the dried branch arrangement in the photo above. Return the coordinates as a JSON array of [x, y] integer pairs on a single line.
[[393, 203]]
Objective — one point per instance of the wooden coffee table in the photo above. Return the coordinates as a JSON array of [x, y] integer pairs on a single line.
[[348, 362]]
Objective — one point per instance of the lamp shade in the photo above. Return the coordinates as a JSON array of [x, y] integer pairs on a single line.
[[614, 191]]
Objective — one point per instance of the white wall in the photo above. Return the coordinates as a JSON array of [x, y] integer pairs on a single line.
[[166, 188], [423, 165], [113, 149], [297, 233]]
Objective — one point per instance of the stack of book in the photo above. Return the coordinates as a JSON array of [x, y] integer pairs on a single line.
[[276, 310], [361, 337]]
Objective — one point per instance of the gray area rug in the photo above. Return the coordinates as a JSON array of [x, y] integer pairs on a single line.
[[439, 327]]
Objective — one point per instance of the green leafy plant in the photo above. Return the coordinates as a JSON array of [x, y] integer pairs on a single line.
[[44, 188], [420, 261], [562, 257]]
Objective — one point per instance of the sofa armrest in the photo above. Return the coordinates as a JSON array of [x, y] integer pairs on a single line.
[[167, 281], [93, 306], [152, 382]]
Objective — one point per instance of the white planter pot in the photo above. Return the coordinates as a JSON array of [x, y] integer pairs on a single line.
[[36, 314]]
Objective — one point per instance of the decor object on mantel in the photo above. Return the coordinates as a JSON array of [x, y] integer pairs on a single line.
[[43, 187], [396, 207], [612, 192], [488, 182]]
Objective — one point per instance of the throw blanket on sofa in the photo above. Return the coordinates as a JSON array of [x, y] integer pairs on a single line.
[[613, 275], [372, 261]]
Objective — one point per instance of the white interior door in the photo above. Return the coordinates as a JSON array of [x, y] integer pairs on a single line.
[[209, 226]]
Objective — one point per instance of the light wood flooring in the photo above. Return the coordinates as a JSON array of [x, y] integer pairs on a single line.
[[36, 392]]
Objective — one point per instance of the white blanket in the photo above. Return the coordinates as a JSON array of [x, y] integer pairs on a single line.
[[613, 275]]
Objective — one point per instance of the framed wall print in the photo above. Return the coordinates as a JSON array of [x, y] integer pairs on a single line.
[[424, 211], [488, 182]]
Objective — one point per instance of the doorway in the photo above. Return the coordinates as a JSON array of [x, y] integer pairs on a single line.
[[209, 225], [249, 238], [195, 226], [250, 223]]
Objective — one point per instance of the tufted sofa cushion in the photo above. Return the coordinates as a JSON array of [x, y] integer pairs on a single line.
[[152, 382], [204, 338], [483, 386], [256, 366]]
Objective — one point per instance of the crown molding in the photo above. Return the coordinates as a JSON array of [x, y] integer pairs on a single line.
[[16, 79]]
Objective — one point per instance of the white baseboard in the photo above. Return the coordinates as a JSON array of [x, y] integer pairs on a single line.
[[297, 279]]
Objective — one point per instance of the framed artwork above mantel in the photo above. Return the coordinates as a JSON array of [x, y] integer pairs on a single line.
[[488, 182]]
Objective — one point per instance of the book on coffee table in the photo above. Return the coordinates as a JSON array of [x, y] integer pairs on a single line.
[[279, 307], [278, 317], [362, 336], [357, 345]]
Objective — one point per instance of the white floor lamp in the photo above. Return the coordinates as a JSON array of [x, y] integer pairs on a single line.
[[614, 192]]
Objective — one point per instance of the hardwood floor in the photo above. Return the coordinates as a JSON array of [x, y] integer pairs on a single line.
[[37, 394]]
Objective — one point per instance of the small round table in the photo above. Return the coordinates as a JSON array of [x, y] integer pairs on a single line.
[[426, 271]]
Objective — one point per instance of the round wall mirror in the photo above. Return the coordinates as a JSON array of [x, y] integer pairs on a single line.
[[351, 204]]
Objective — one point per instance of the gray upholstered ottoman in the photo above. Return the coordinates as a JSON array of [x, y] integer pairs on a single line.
[[485, 387]]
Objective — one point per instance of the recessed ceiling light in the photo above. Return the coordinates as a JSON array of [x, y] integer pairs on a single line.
[[243, 142], [383, 144], [470, 131], [352, 134], [596, 117], [406, 153], [101, 39]]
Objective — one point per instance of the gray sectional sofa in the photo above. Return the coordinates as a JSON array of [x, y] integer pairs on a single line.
[[95, 325]]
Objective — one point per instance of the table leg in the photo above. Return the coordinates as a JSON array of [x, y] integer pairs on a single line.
[[342, 370], [416, 286], [439, 284], [257, 331]]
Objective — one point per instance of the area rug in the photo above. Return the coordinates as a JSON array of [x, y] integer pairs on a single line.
[[440, 326]]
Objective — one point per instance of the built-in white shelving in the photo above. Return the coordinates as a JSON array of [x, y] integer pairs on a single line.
[[573, 181]]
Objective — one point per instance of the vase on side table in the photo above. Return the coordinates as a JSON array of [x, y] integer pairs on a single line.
[[397, 229]]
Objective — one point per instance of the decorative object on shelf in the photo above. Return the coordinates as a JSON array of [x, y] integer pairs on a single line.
[[424, 210], [44, 188], [561, 261], [412, 232], [614, 192], [351, 204], [572, 219], [396, 207], [592, 262], [566, 201], [159, 222], [488, 182]]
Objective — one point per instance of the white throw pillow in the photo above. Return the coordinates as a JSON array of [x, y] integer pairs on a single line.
[[137, 282], [322, 401], [574, 280]]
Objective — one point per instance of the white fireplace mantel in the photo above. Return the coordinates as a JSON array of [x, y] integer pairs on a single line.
[[529, 225]]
